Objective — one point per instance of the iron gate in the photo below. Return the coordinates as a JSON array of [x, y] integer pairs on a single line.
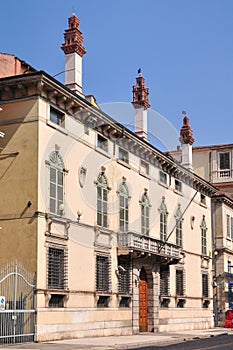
[[17, 310]]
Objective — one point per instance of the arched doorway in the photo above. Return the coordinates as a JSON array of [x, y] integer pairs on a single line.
[[143, 301]]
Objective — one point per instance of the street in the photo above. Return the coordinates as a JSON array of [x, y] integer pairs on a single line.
[[221, 342]]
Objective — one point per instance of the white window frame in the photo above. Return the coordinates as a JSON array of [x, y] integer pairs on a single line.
[[224, 172], [123, 155], [123, 207], [204, 229], [145, 214], [228, 226], [102, 143], [60, 121], [102, 200], [163, 220], [56, 184]]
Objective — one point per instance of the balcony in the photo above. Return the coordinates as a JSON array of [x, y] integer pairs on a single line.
[[135, 242], [223, 175]]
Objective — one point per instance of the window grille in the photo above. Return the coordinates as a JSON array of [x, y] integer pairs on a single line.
[[124, 207], [102, 201], [145, 214], [124, 280], [56, 196], [57, 268], [205, 285], [57, 300], [180, 283], [103, 273], [164, 280], [103, 301], [163, 220], [125, 302], [203, 236]]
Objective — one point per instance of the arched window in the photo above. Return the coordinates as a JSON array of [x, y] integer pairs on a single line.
[[163, 220], [145, 214], [102, 200], [123, 207], [179, 234], [203, 236], [56, 183]]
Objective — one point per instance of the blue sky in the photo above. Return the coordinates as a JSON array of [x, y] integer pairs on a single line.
[[184, 47]]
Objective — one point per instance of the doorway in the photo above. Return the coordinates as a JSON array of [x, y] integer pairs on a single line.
[[143, 301]]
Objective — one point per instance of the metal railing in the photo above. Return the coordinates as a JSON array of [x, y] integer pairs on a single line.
[[17, 310]]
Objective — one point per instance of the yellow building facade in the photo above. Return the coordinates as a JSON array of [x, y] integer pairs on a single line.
[[117, 234]]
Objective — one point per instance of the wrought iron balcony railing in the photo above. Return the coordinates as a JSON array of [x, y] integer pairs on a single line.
[[136, 242]]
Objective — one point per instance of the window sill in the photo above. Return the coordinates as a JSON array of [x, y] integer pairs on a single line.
[[61, 291], [123, 294], [163, 184], [103, 293], [123, 163], [142, 173], [205, 257], [203, 205], [178, 192], [57, 127], [102, 151]]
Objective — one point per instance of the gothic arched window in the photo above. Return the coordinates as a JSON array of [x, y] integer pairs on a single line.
[[203, 236], [102, 200], [163, 220], [179, 233], [145, 214], [123, 207], [56, 183]]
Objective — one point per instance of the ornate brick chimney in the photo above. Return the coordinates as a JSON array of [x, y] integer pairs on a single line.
[[186, 139], [74, 51], [141, 104]]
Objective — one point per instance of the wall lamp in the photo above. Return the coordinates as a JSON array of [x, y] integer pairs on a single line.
[[79, 214], [120, 269], [61, 209]]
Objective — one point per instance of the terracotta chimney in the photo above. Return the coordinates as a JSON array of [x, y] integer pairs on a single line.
[[186, 139], [141, 104], [74, 51]]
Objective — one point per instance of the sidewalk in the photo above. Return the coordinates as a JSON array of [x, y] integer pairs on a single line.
[[121, 342]]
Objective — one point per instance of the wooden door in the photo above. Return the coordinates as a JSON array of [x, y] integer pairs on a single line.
[[143, 305]]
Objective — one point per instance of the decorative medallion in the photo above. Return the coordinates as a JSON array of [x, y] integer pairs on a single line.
[[82, 176]]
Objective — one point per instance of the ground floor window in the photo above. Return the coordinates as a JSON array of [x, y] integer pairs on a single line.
[[180, 282], [123, 274], [103, 273], [57, 300], [57, 268], [164, 280]]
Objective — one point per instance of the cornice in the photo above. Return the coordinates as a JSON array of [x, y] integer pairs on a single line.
[[222, 198], [42, 85]]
